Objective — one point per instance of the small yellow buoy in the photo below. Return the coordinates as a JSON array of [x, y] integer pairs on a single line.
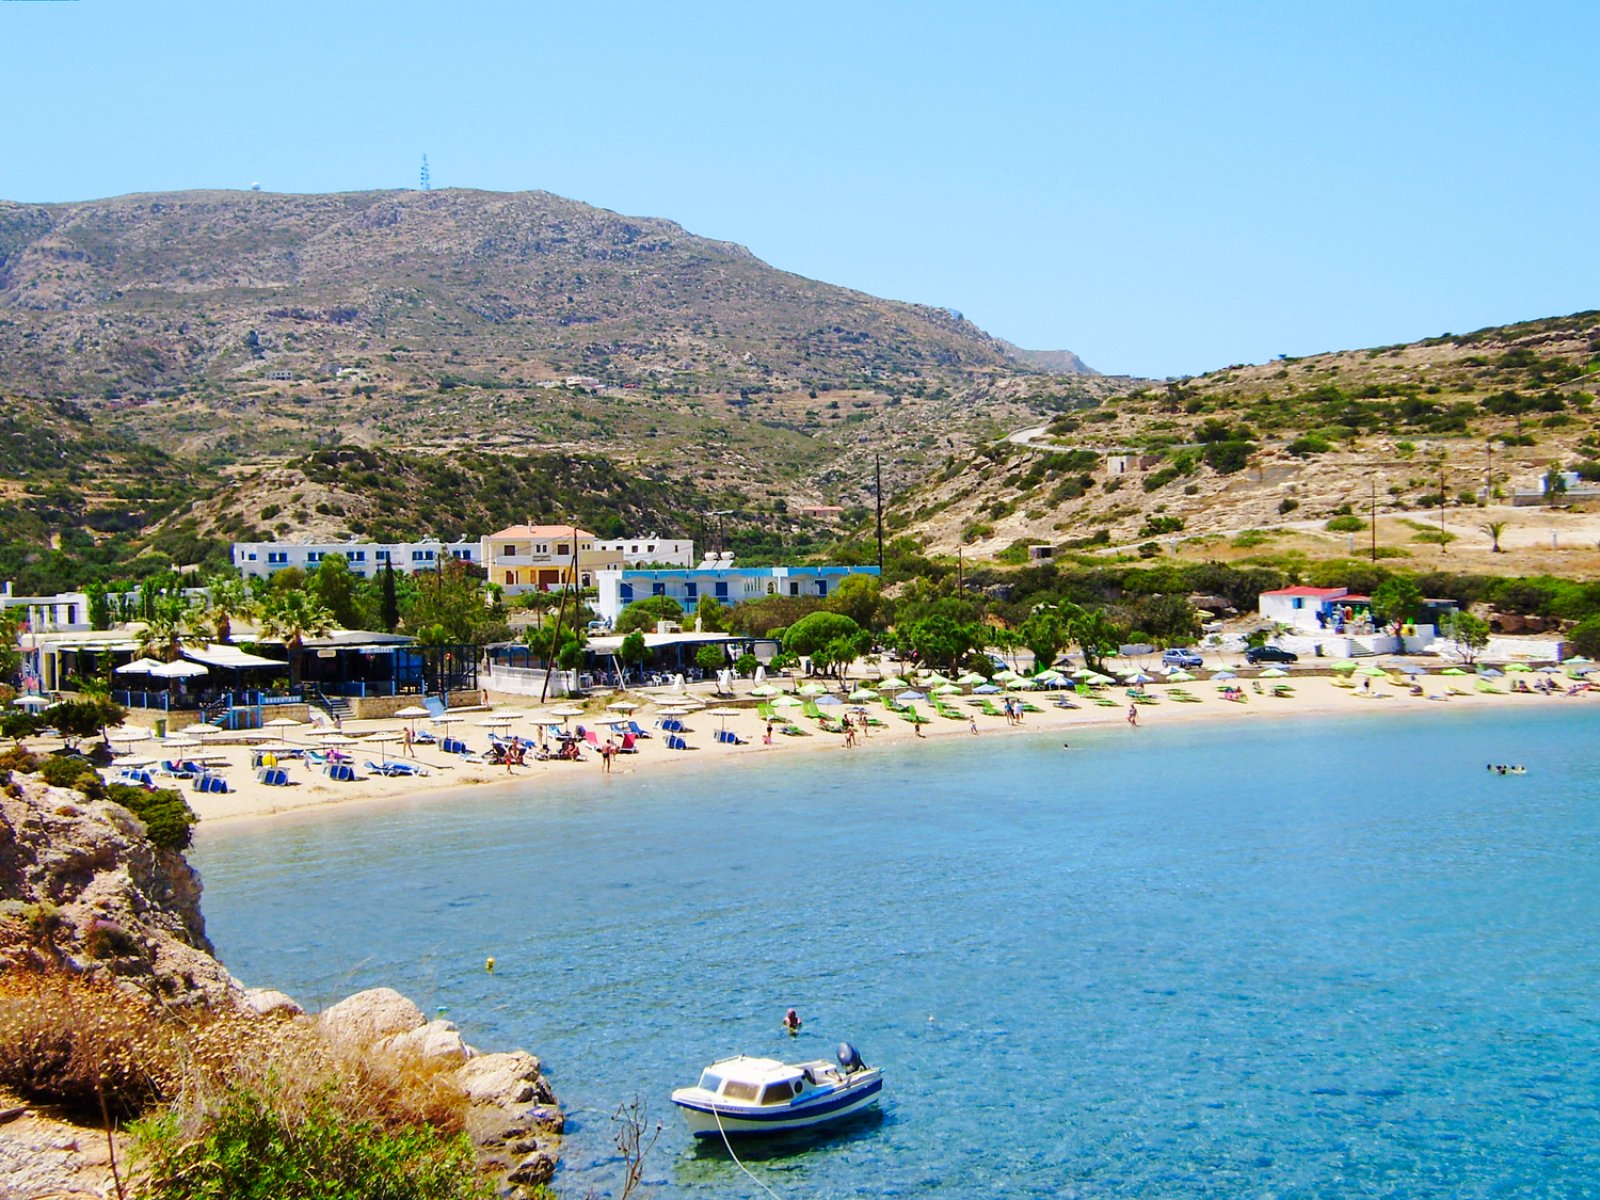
[[488, 964]]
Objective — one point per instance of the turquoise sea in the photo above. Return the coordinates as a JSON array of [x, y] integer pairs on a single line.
[[1307, 958]]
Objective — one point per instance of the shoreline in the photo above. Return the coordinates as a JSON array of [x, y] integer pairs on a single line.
[[249, 800]]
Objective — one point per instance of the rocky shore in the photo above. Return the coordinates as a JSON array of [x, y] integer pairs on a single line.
[[85, 896]]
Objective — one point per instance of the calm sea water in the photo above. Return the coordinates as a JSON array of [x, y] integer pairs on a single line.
[[1313, 959]]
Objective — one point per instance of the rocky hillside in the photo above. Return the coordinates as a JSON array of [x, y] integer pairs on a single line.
[[1282, 448], [109, 990]]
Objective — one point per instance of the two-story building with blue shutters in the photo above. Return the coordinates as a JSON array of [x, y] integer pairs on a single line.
[[365, 559], [723, 582]]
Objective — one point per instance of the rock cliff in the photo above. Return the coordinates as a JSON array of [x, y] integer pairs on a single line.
[[85, 896]]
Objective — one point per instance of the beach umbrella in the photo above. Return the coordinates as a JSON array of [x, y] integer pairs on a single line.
[[566, 710], [32, 702], [1225, 675], [1490, 672], [1577, 658], [1179, 676], [177, 741], [788, 702], [139, 666], [1372, 670], [1008, 676], [128, 736], [1517, 668], [763, 690], [971, 679], [830, 701], [1098, 680], [382, 738], [1452, 671], [893, 681], [626, 706], [933, 677], [947, 689], [1549, 670], [909, 697], [1140, 677], [412, 712], [987, 689], [810, 689], [863, 694], [722, 714], [1345, 664], [1409, 668], [1274, 673], [282, 723]]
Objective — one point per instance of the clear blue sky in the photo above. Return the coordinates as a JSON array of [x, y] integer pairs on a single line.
[[1162, 187]]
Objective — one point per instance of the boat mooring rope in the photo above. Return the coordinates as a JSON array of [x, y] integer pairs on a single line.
[[735, 1157]]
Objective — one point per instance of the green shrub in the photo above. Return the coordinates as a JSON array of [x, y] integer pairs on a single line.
[[64, 770], [1345, 523], [1287, 505], [19, 758], [1302, 446], [168, 819], [1156, 526], [249, 1150]]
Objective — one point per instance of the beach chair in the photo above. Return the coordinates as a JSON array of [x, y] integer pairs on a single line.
[[766, 712], [273, 776], [135, 777], [633, 728], [1030, 706], [425, 738], [452, 745], [209, 782], [590, 736], [911, 714], [1483, 685], [175, 770], [341, 773], [810, 709], [675, 742], [792, 730], [989, 708]]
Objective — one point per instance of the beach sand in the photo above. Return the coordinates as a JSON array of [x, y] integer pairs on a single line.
[[1314, 695]]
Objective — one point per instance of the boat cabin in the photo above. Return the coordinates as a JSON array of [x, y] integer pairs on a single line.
[[765, 1080]]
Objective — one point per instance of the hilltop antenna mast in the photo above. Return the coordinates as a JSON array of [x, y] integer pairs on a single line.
[[426, 185]]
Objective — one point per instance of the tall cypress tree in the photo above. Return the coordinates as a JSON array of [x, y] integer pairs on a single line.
[[390, 605]]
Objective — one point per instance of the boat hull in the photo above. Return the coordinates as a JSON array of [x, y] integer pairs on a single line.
[[714, 1120]]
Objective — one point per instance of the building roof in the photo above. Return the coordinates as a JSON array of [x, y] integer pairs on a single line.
[[541, 531], [1319, 593]]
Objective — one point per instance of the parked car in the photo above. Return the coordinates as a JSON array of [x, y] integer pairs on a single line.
[[1181, 656], [1277, 654]]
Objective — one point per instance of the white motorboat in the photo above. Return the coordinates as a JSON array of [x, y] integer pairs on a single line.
[[744, 1095]]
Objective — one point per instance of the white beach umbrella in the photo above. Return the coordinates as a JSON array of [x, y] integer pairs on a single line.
[[179, 742], [763, 689], [893, 681], [134, 733], [1273, 673], [971, 679], [412, 712], [139, 666], [723, 714], [788, 702], [40, 702], [863, 694], [201, 729], [282, 723], [626, 706]]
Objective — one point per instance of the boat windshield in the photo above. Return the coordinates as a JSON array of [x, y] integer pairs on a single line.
[[710, 1080], [780, 1093], [736, 1090]]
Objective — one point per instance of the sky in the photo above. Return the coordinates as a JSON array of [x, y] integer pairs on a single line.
[[1163, 188]]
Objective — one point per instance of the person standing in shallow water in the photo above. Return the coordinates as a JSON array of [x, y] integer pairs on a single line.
[[1133, 715]]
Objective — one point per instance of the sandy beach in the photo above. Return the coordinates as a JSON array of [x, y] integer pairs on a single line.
[[1200, 700]]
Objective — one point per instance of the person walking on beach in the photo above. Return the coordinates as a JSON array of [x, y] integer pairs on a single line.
[[767, 741], [607, 752], [1133, 715], [972, 722]]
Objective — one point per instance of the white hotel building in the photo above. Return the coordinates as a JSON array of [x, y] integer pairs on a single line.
[[364, 558]]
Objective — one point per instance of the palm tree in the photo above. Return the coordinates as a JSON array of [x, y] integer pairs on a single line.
[[1494, 529], [227, 598], [292, 615], [168, 617]]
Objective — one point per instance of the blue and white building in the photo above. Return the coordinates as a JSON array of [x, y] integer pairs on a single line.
[[727, 584], [365, 559]]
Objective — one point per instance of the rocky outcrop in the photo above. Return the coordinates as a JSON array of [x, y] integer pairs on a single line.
[[81, 888], [119, 904]]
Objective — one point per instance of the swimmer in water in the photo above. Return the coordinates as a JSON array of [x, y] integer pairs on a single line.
[[791, 1022]]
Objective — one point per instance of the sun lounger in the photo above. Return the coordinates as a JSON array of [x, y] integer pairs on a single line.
[[273, 776], [135, 777], [395, 770], [452, 745], [729, 737], [210, 783], [341, 773], [792, 730], [675, 742], [633, 728], [1483, 685]]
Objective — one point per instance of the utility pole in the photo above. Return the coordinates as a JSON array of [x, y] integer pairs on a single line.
[[719, 514], [1373, 479], [961, 586], [1488, 472], [877, 492]]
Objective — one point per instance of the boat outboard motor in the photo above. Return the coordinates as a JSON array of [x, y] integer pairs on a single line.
[[850, 1059]]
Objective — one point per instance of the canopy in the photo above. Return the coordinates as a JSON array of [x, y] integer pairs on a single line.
[[412, 712], [1345, 664], [139, 666], [908, 697], [787, 702], [893, 681], [863, 694], [830, 701], [971, 678], [1517, 667], [177, 670], [32, 702], [1274, 673], [220, 654], [622, 706], [1179, 676], [1371, 669], [811, 689], [763, 689]]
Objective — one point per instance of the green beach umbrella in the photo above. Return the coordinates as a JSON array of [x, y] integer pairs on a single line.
[[1345, 664], [1518, 668], [1452, 671], [1179, 676], [1276, 673], [947, 689], [971, 679], [894, 681], [863, 694], [763, 689], [1374, 671]]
